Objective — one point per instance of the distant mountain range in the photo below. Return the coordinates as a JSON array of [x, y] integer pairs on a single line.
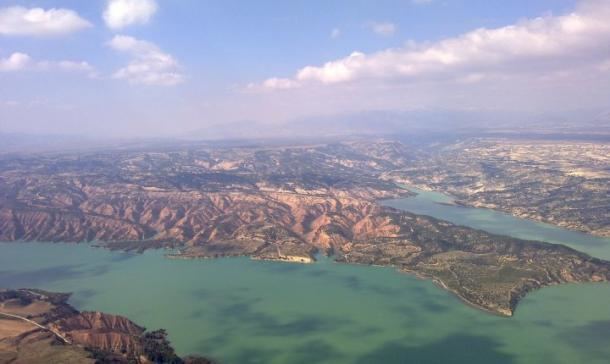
[[425, 124]]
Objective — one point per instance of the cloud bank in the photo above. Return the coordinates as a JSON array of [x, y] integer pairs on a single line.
[[18, 61], [549, 44], [20, 21]]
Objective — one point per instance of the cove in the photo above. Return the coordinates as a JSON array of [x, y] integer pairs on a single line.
[[242, 311]]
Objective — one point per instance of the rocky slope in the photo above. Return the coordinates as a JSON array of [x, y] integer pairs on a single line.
[[103, 331], [52, 331]]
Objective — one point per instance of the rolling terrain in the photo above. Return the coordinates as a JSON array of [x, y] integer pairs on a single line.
[[276, 202]]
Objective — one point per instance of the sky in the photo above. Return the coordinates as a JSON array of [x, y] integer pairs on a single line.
[[166, 67]]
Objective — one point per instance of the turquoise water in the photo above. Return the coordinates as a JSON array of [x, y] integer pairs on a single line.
[[243, 311]]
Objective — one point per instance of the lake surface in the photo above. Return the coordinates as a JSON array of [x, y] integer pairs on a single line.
[[243, 311]]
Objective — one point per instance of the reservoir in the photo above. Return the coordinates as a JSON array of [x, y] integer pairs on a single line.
[[241, 311], [441, 206]]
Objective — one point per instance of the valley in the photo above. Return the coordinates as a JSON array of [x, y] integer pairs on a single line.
[[560, 182], [285, 203]]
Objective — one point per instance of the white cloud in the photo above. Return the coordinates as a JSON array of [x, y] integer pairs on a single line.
[[17, 20], [335, 33], [333, 72], [385, 29], [541, 44], [150, 65], [75, 66], [15, 62], [421, 2], [280, 83], [23, 62], [122, 13], [70, 66]]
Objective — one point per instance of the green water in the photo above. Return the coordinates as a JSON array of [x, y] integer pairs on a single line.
[[243, 311]]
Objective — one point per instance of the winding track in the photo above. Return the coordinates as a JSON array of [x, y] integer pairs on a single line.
[[54, 332]]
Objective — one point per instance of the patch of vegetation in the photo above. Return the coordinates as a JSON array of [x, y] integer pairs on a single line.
[[158, 349]]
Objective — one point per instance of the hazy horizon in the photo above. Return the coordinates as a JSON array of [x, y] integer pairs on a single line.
[[146, 68]]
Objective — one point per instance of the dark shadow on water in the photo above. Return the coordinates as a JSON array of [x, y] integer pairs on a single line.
[[544, 323], [591, 340], [278, 267], [197, 314], [242, 314], [215, 342], [354, 283], [419, 290], [384, 291], [304, 325], [201, 293], [434, 307], [218, 297], [45, 276], [242, 318], [81, 297], [317, 273], [457, 349], [122, 256], [315, 351], [364, 331], [357, 284], [411, 315], [240, 310], [253, 355], [97, 270]]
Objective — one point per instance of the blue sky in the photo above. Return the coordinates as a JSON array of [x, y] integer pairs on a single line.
[[219, 54]]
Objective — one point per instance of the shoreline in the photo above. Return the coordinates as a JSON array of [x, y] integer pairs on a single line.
[[457, 202]]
